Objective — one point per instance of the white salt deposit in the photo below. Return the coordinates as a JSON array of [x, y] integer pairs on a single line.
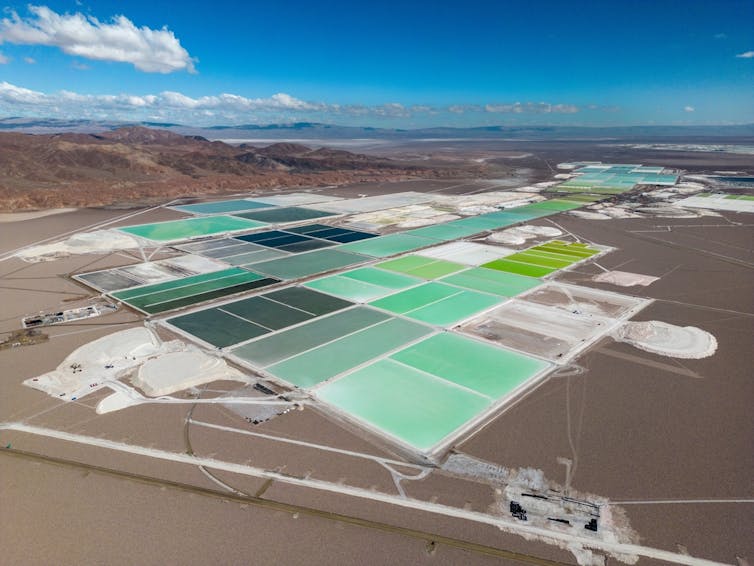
[[294, 199], [177, 371], [195, 263], [409, 216], [667, 339], [163, 368], [373, 203], [469, 253], [438, 208], [148, 272], [624, 278], [115, 402], [547, 231], [660, 209], [106, 358], [605, 212], [509, 199], [587, 215], [717, 202], [519, 235], [426, 221], [511, 237], [98, 242], [477, 209], [680, 189]]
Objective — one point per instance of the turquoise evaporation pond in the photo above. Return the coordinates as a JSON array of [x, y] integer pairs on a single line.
[[384, 246], [450, 230], [363, 284], [492, 220], [320, 364], [297, 340], [310, 263], [492, 281], [437, 304], [190, 228], [427, 391]]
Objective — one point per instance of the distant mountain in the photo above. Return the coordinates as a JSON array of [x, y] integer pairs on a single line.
[[281, 149], [141, 135], [318, 131], [140, 164]]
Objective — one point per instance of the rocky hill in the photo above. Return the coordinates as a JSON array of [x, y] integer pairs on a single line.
[[143, 165]]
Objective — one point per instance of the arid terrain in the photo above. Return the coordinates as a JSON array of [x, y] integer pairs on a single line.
[[135, 165]]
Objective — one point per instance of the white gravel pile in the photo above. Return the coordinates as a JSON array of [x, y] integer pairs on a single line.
[[98, 242], [666, 339]]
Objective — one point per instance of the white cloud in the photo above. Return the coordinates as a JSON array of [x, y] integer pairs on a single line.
[[229, 108], [531, 108], [30, 60], [149, 50], [280, 101], [168, 102], [463, 108], [22, 96], [688, 109], [4, 60], [746, 55], [720, 36]]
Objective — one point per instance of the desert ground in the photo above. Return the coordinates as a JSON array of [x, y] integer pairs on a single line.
[[666, 440]]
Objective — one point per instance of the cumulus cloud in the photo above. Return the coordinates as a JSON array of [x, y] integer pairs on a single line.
[[229, 108], [235, 102], [531, 108], [688, 108], [422, 109], [149, 50], [746, 55], [4, 60], [463, 108], [388, 110], [130, 106], [22, 96], [30, 60]]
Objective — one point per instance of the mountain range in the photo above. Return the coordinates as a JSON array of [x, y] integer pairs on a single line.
[[143, 165], [318, 131]]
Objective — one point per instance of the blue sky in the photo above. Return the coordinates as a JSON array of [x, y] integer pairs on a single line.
[[387, 64]]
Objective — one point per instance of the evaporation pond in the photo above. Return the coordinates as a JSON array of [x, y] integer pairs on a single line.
[[492, 281], [384, 246], [311, 263], [190, 228], [407, 404], [319, 364], [294, 341], [429, 390]]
